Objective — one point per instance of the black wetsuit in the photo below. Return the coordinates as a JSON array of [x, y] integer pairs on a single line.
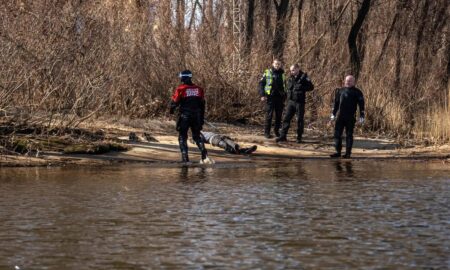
[[297, 87], [274, 100], [191, 102], [346, 101]]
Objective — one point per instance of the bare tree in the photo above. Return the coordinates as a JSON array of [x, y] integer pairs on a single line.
[[249, 27], [279, 39], [352, 37]]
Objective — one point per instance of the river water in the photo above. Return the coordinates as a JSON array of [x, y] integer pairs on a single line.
[[316, 214]]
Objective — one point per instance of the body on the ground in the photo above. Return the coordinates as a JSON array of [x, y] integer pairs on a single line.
[[225, 143]]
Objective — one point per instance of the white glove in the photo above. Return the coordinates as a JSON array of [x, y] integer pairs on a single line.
[[332, 117], [361, 120]]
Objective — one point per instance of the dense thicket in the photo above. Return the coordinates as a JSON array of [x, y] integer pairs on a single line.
[[65, 61]]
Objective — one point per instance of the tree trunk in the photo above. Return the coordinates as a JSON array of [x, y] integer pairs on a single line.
[[249, 28], [299, 25], [355, 61], [419, 39], [279, 39], [180, 19], [180, 14], [267, 11], [398, 10]]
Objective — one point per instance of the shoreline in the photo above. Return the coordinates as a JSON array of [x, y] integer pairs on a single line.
[[165, 152]]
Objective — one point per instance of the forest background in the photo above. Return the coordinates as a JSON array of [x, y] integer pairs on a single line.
[[63, 62]]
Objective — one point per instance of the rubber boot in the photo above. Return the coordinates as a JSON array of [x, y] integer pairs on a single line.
[[183, 148], [201, 147], [277, 133], [338, 147], [281, 138], [248, 151], [184, 157], [348, 147]]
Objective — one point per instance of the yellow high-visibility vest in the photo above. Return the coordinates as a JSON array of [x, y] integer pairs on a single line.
[[269, 79]]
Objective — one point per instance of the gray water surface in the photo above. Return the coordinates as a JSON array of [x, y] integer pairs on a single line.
[[303, 215]]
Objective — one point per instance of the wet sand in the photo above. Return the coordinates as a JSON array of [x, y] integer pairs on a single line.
[[315, 145]]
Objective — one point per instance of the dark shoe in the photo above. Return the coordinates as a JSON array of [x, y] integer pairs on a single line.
[[250, 150], [184, 158], [237, 148], [133, 137], [281, 139], [299, 140], [346, 155], [268, 136], [335, 155], [150, 138], [277, 134]]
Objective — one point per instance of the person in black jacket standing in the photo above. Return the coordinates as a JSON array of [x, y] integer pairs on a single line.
[[346, 101], [272, 90], [297, 86]]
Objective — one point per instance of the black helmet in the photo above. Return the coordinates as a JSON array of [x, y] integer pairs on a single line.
[[186, 76], [185, 73]]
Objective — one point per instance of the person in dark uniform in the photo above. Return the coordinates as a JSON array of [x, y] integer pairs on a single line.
[[272, 90], [190, 99], [226, 143], [346, 100], [297, 86]]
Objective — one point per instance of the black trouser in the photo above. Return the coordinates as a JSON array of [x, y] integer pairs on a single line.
[[273, 105], [294, 108], [225, 143], [193, 121], [349, 124]]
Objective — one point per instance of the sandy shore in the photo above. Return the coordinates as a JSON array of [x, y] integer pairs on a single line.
[[316, 145]]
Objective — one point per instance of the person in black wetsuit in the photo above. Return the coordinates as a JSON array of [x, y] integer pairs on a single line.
[[272, 90], [346, 100], [190, 99], [297, 86]]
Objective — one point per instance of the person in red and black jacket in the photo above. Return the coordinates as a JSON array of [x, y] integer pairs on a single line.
[[190, 99]]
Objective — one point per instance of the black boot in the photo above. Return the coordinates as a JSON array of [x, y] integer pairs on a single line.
[[248, 151], [184, 157], [277, 133], [201, 147], [348, 146], [335, 155], [281, 138], [182, 140], [348, 152]]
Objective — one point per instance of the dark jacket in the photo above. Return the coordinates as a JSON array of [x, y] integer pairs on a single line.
[[297, 86], [278, 90], [346, 100]]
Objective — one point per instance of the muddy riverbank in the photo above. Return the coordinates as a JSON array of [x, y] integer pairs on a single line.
[[156, 142]]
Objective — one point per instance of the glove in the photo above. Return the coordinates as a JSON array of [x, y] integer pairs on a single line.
[[332, 117], [361, 120]]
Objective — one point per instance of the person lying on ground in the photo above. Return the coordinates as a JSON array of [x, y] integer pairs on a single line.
[[225, 143]]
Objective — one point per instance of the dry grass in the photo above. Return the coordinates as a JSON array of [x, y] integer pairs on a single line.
[[76, 60], [434, 127]]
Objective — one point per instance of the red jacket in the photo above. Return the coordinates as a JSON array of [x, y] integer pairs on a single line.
[[190, 98]]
